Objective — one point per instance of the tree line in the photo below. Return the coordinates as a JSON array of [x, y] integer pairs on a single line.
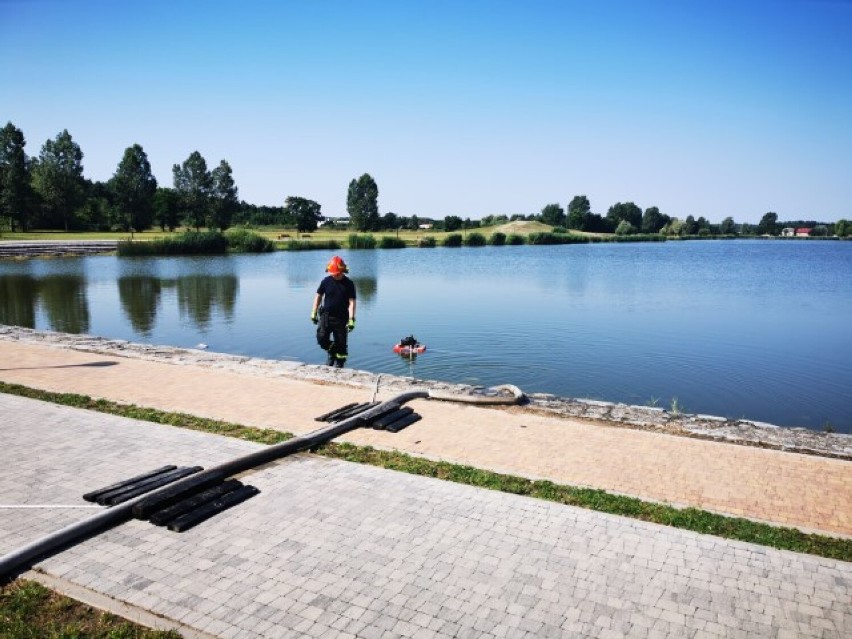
[[626, 218], [49, 191]]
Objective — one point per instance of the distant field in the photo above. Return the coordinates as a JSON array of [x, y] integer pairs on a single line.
[[88, 235], [281, 235]]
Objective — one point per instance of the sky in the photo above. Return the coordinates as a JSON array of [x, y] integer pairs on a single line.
[[709, 108]]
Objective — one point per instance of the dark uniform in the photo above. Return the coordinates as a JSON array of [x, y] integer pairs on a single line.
[[332, 331]]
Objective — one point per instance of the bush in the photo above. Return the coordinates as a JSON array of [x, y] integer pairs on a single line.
[[475, 239], [554, 238], [651, 237], [497, 239], [515, 240], [560, 229], [244, 241], [452, 240], [302, 245], [426, 242], [356, 241], [388, 242], [189, 243], [625, 228]]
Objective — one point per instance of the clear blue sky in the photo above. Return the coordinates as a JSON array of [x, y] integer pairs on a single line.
[[469, 108]]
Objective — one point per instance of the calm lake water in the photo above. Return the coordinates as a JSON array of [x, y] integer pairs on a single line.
[[754, 329]]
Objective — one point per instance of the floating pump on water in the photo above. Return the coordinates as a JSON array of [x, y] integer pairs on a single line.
[[409, 346]]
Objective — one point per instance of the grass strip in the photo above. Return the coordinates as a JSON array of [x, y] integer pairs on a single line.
[[693, 519], [183, 420], [28, 610]]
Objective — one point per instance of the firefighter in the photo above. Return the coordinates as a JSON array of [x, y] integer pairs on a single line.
[[333, 312]]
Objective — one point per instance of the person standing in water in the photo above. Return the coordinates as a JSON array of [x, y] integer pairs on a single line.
[[333, 312]]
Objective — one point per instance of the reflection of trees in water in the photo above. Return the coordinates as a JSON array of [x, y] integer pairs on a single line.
[[63, 298], [365, 287], [18, 295], [140, 299], [198, 294]]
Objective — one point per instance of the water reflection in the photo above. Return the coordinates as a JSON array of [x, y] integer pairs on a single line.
[[140, 301], [199, 295], [18, 298], [366, 288], [63, 299]]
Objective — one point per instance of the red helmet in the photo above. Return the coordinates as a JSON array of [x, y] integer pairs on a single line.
[[336, 266]]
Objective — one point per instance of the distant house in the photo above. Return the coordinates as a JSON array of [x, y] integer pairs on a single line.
[[803, 232], [425, 227], [788, 231], [334, 221]]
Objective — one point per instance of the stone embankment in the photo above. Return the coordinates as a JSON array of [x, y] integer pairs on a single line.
[[55, 248], [739, 431]]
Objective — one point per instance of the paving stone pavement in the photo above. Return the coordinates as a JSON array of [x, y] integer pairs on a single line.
[[335, 549]]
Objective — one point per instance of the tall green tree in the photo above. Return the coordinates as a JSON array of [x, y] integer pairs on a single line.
[[193, 183], [553, 214], [390, 221], [167, 208], [768, 224], [362, 203], [15, 197], [58, 180], [452, 223], [842, 228], [690, 226], [578, 209], [625, 211], [728, 226], [225, 200], [653, 220], [133, 186], [305, 213]]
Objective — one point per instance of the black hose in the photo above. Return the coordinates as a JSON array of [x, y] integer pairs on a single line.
[[51, 543], [17, 559]]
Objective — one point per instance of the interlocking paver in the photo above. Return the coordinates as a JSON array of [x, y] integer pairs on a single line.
[[333, 549]]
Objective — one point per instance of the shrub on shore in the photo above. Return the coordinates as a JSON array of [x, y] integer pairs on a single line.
[[648, 237], [356, 241], [556, 238], [388, 242], [189, 243], [474, 239], [426, 242], [304, 245], [497, 239], [245, 241], [452, 240]]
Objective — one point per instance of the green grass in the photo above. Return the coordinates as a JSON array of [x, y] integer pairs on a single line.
[[599, 500], [28, 610]]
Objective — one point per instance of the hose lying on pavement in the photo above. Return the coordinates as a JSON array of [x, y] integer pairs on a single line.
[[22, 557]]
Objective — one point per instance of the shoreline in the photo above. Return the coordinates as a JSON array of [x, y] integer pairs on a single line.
[[708, 427]]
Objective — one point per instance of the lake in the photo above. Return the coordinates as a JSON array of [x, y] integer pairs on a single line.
[[749, 329]]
